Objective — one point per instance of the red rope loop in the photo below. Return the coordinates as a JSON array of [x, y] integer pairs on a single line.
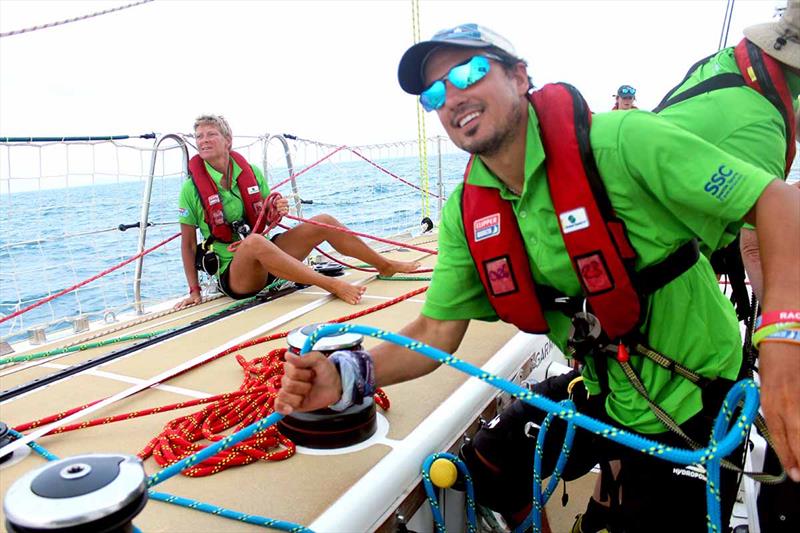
[[268, 218], [181, 437]]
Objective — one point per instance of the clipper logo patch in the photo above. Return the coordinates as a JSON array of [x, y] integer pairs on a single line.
[[501, 279], [487, 227], [213, 200], [594, 274], [183, 212], [252, 189], [722, 182], [574, 220]]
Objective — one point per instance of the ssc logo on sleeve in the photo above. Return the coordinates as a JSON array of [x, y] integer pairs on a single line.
[[722, 182]]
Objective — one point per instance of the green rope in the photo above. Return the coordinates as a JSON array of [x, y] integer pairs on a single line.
[[80, 347], [405, 278]]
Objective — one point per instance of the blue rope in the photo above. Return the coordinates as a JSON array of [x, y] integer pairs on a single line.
[[472, 521], [233, 515], [41, 450], [534, 518], [720, 445], [209, 451]]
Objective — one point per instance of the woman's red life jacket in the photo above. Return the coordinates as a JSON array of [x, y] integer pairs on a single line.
[[212, 203]]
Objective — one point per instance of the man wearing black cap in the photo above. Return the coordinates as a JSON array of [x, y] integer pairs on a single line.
[[549, 215], [624, 98]]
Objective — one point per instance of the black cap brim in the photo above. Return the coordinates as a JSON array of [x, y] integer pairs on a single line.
[[409, 72]]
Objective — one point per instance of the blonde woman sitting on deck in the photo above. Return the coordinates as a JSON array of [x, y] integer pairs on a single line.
[[224, 198]]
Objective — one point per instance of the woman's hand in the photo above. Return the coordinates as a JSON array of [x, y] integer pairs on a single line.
[[282, 206], [193, 298]]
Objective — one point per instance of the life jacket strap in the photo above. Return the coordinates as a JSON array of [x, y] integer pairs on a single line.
[[672, 425], [650, 279], [656, 276], [721, 81]]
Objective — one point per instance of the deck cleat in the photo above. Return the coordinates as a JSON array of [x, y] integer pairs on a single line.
[[329, 269], [326, 428], [85, 493]]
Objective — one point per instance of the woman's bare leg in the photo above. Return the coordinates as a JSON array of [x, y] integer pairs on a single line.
[[301, 239], [256, 257]]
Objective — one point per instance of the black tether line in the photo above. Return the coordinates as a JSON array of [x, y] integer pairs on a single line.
[[726, 25], [91, 363]]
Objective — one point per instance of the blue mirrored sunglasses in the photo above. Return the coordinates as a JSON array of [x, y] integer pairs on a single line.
[[627, 91], [461, 76]]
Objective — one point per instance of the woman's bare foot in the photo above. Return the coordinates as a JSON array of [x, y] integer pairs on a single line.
[[393, 267], [347, 292]]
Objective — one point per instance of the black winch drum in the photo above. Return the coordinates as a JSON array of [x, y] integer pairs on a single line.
[[326, 428], [97, 493]]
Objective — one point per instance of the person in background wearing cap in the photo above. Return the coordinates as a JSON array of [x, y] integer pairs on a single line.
[[624, 98], [753, 117], [219, 175], [479, 88]]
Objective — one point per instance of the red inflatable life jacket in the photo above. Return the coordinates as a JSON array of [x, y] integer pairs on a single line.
[[764, 74], [595, 239], [212, 203]]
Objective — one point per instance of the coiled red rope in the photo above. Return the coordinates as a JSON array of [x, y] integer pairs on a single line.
[[180, 437]]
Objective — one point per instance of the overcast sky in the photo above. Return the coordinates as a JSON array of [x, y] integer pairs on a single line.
[[324, 70]]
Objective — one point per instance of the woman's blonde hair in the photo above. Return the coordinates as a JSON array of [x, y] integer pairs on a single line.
[[217, 121]]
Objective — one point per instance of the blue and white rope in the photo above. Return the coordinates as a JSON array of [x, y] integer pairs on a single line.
[[729, 431]]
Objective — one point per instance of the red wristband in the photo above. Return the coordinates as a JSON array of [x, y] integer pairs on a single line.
[[776, 317], [194, 288]]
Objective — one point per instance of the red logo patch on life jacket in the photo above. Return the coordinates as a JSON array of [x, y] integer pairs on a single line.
[[500, 275], [487, 227], [594, 273]]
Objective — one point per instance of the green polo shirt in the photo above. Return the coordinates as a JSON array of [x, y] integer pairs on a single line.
[[738, 120], [190, 207], [665, 199]]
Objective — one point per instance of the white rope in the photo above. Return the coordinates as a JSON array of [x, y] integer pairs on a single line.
[[75, 19]]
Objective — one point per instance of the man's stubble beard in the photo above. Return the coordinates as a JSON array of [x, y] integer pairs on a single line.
[[503, 137]]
